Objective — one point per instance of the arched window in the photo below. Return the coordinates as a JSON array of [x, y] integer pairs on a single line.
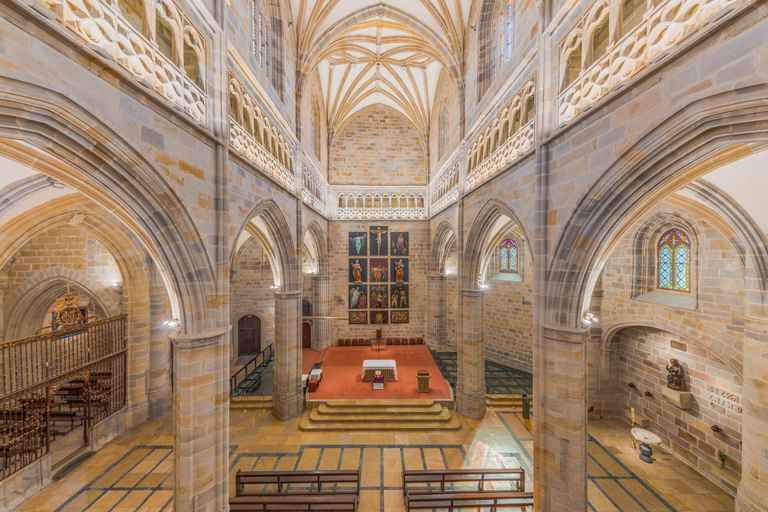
[[261, 43], [164, 36], [632, 14], [600, 38], [502, 35], [442, 127], [133, 12], [496, 36], [316, 128], [674, 265], [508, 256]]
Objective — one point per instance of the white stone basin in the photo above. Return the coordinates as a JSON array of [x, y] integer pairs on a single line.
[[644, 436]]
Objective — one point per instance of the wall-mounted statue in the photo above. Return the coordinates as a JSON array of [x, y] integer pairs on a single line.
[[675, 376]]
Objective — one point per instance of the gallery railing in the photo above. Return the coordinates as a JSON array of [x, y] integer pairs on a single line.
[[28, 361], [83, 381], [386, 203], [662, 30], [444, 188]]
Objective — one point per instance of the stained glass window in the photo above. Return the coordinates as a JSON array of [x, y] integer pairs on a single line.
[[675, 261], [442, 121], [261, 36], [508, 256], [502, 43]]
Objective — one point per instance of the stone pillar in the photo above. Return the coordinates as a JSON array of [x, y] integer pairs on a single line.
[[159, 313], [321, 299], [470, 386], [201, 421], [560, 413], [437, 311], [287, 395], [753, 490]]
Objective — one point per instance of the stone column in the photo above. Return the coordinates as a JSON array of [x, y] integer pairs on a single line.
[[560, 413], [752, 494], [287, 395], [159, 313], [470, 386], [201, 421], [437, 311], [321, 299]]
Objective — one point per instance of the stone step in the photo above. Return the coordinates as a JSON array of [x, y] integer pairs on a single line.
[[316, 416], [420, 402], [379, 410], [388, 425]]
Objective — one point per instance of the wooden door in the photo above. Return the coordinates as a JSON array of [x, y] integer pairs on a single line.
[[306, 335], [249, 335]]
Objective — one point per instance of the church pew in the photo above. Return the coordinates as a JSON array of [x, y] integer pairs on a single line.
[[462, 480], [297, 482], [477, 500], [314, 503]]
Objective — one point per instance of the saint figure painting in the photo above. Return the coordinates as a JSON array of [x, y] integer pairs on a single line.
[[399, 244], [358, 243]]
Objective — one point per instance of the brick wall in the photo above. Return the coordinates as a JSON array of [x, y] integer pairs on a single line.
[[377, 147], [250, 292], [417, 289]]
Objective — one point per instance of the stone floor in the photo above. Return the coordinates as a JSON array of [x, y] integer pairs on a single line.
[[133, 473]]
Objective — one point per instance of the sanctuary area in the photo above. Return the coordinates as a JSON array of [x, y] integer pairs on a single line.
[[390, 255]]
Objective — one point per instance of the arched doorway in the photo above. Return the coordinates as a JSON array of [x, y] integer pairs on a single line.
[[249, 335]]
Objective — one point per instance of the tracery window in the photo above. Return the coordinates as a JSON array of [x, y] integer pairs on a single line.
[[133, 12], [600, 37], [261, 42], [674, 264], [632, 14], [316, 129], [508, 256], [502, 36], [442, 122]]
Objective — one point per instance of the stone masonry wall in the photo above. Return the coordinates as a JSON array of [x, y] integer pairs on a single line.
[[251, 293], [644, 353], [508, 315], [417, 285], [378, 147]]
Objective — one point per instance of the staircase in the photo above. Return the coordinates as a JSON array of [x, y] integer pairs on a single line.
[[248, 378], [362, 415]]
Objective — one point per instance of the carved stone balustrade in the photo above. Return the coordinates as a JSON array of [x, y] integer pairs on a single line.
[[246, 143], [515, 146], [101, 25], [444, 189], [314, 187], [662, 29], [352, 203]]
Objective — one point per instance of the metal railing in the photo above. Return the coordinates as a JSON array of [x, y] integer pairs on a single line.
[[81, 380], [258, 362]]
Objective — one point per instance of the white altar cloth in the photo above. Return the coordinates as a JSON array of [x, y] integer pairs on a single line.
[[380, 364]]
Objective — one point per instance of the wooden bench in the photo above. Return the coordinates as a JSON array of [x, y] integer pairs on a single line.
[[435, 480], [477, 500], [295, 503], [298, 482]]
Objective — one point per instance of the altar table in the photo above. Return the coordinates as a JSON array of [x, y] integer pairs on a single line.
[[388, 368]]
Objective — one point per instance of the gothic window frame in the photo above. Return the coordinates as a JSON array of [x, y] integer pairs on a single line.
[[674, 242], [507, 248], [496, 43], [443, 130], [315, 128], [260, 35]]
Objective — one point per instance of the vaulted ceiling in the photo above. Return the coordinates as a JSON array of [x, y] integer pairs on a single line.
[[389, 53]]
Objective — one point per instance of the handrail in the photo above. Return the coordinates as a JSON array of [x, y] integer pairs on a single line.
[[234, 381]]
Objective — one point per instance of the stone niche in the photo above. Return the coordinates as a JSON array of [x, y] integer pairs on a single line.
[[681, 399]]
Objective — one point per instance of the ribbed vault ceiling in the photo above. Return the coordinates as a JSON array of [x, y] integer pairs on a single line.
[[387, 53]]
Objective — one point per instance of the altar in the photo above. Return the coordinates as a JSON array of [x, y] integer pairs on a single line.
[[388, 369]]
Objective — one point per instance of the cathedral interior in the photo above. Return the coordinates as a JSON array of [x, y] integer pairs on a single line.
[[435, 252]]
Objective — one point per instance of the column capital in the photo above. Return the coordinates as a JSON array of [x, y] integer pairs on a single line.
[[564, 334], [320, 277], [287, 295], [436, 278], [198, 339], [756, 323], [470, 292]]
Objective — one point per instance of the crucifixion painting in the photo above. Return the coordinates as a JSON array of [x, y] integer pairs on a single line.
[[379, 240]]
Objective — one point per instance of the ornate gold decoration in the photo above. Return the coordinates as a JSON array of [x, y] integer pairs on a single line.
[[68, 313]]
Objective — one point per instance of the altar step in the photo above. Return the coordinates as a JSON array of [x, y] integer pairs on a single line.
[[362, 415]]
